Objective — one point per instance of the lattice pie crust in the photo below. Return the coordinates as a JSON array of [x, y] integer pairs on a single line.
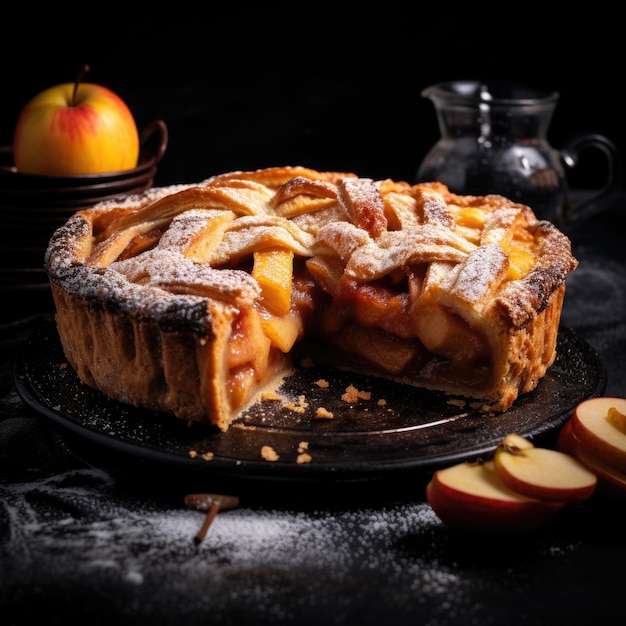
[[192, 299]]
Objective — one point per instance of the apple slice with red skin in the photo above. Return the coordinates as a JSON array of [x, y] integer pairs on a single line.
[[472, 496], [597, 425], [567, 442], [542, 473], [611, 482]]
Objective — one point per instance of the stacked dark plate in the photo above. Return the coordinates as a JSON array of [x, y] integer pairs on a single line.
[[32, 207]]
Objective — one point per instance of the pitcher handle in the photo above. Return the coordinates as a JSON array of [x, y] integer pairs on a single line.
[[601, 198], [155, 129]]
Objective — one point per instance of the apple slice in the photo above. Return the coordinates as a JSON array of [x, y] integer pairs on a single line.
[[596, 423], [541, 472], [611, 482], [472, 496], [567, 442]]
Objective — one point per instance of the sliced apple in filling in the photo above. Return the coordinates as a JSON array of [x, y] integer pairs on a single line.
[[326, 271], [273, 270], [519, 249], [283, 331], [248, 356], [448, 335], [378, 347]]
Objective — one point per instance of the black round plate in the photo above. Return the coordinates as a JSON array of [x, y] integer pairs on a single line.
[[398, 428]]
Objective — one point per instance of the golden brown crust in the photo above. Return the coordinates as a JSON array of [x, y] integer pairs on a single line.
[[157, 304]]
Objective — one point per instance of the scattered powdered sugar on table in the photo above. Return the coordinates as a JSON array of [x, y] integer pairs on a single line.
[[120, 543], [137, 556]]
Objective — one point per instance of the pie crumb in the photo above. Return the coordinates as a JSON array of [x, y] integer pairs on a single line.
[[297, 407], [271, 395], [459, 403], [269, 454], [479, 406], [244, 426], [323, 413], [352, 394]]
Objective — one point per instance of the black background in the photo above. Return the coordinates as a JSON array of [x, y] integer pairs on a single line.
[[242, 88], [326, 86]]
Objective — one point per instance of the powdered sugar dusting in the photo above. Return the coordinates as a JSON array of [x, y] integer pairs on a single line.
[[363, 202], [131, 543], [173, 272], [265, 565], [481, 273]]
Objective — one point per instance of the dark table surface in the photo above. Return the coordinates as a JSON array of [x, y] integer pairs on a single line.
[[93, 536]]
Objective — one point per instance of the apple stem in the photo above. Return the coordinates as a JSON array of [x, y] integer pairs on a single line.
[[512, 449], [81, 74]]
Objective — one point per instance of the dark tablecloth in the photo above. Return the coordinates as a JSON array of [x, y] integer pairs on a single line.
[[89, 536]]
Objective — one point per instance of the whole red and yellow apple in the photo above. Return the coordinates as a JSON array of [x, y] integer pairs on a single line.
[[75, 128]]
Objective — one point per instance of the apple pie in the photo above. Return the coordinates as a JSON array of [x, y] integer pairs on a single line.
[[194, 299]]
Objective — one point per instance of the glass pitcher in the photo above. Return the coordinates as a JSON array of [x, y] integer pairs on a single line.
[[494, 140]]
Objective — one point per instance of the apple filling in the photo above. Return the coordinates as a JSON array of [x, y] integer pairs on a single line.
[[387, 323], [396, 326], [261, 335]]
